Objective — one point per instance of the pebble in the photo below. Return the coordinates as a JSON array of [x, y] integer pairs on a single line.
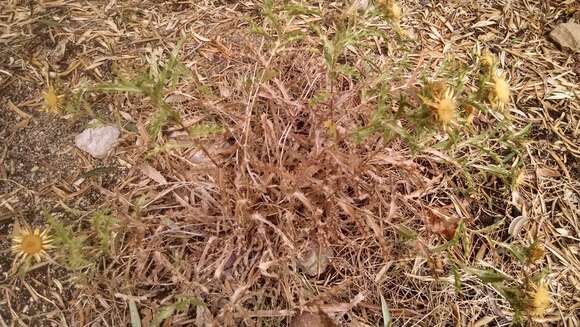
[[98, 141]]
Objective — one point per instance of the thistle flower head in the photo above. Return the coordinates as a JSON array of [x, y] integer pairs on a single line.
[[540, 300], [392, 9], [500, 92], [443, 105], [52, 100], [28, 243], [487, 59]]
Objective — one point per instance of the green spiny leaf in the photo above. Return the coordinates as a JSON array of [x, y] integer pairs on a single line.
[[406, 233], [71, 244], [487, 275]]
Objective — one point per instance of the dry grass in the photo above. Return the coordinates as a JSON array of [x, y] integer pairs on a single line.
[[298, 126]]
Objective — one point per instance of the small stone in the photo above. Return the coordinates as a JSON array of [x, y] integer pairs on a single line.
[[361, 5], [567, 35], [98, 141], [307, 319], [315, 260]]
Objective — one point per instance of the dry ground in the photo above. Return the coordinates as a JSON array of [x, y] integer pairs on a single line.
[[205, 220]]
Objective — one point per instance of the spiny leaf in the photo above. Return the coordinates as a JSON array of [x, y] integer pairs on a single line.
[[123, 86], [161, 118], [182, 304], [103, 224], [406, 233], [514, 249], [204, 130], [162, 314], [72, 244], [457, 279], [515, 297], [487, 275]]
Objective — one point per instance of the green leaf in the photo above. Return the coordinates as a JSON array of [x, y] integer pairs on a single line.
[[70, 243], [328, 53], [516, 299], [516, 250], [162, 314], [135, 319], [487, 275], [491, 228], [348, 71], [161, 118], [123, 86], [167, 147], [386, 312], [298, 9], [184, 302], [319, 97], [467, 243], [181, 305], [204, 130], [457, 279], [495, 170], [406, 233], [98, 171], [103, 223]]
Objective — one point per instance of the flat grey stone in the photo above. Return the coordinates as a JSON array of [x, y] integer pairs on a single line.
[[98, 141]]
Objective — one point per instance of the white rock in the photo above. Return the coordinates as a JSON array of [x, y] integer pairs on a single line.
[[361, 5], [98, 141]]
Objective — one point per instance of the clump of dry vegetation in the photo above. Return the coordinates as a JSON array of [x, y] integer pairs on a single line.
[[283, 162]]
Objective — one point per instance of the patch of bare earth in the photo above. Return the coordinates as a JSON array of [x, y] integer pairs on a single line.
[[38, 174]]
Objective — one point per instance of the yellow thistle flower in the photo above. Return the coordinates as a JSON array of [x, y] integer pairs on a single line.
[[392, 9], [499, 95], [535, 252], [443, 106], [540, 300], [28, 243], [52, 101], [487, 59]]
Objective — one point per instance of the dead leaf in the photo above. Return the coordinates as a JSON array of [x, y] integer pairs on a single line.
[[225, 90], [547, 172], [152, 173], [441, 222]]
